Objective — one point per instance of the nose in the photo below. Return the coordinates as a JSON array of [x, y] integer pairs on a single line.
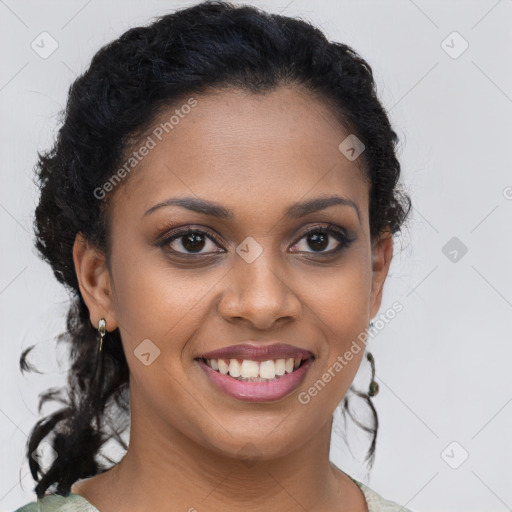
[[259, 294]]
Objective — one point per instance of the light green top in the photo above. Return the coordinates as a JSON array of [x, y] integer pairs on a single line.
[[77, 503]]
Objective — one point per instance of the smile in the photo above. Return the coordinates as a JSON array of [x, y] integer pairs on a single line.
[[247, 370], [256, 381]]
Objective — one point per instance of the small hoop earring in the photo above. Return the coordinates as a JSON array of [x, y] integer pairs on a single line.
[[374, 385], [102, 324]]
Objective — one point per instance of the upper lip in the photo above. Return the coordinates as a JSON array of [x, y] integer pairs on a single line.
[[258, 352]]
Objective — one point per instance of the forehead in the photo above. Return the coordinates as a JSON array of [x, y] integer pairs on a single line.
[[243, 149]]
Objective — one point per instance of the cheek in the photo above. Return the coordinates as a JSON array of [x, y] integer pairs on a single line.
[[342, 311], [157, 310], [155, 301], [341, 298]]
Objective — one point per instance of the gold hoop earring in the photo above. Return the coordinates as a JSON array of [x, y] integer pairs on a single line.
[[102, 324]]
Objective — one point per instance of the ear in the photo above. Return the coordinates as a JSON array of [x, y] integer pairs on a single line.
[[382, 252], [94, 281]]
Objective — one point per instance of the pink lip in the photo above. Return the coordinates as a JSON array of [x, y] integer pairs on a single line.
[[258, 352], [257, 391]]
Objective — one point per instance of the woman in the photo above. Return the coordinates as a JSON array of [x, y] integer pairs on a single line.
[[220, 201]]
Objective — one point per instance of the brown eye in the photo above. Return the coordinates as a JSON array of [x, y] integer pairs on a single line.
[[322, 240], [318, 241], [191, 241]]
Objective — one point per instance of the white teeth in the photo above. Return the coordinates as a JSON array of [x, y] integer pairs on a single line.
[[254, 370], [248, 369], [234, 368], [223, 366], [280, 367], [267, 370]]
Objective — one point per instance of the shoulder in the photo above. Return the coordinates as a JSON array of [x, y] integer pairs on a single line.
[[377, 503], [57, 503]]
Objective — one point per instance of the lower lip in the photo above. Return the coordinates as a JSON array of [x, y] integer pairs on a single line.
[[257, 391]]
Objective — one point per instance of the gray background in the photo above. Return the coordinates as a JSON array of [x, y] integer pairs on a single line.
[[443, 363]]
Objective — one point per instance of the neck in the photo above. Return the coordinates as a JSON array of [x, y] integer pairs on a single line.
[[163, 466]]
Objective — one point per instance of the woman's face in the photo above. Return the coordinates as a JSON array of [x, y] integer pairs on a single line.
[[251, 274]]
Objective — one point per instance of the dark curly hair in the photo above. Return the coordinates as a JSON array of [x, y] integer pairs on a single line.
[[129, 81]]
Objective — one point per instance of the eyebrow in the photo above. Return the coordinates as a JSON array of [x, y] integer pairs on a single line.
[[295, 211]]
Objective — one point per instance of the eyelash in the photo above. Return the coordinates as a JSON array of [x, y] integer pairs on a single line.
[[344, 240]]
